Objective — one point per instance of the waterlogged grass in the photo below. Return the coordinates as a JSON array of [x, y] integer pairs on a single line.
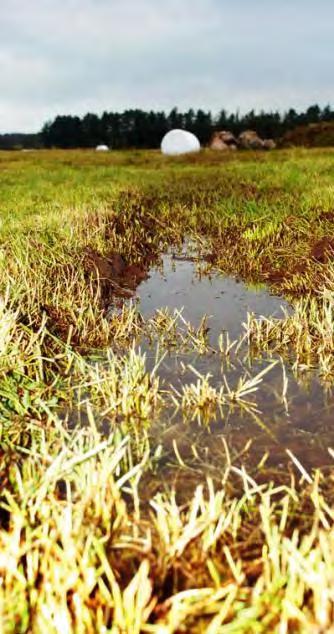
[[83, 546], [308, 332]]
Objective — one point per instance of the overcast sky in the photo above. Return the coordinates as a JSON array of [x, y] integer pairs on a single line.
[[74, 56]]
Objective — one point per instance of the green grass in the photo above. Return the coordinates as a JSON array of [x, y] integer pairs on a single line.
[[84, 547]]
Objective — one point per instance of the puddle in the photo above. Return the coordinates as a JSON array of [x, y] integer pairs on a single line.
[[184, 284], [303, 424]]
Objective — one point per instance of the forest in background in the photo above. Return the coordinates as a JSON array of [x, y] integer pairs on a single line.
[[140, 129]]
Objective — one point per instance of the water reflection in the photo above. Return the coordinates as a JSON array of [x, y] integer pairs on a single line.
[[302, 421]]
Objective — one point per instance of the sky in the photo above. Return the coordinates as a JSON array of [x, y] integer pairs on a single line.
[[78, 56]]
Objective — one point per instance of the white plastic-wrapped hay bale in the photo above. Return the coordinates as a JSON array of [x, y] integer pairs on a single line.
[[102, 148], [179, 142]]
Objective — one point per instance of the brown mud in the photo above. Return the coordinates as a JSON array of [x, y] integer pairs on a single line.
[[323, 249], [115, 277]]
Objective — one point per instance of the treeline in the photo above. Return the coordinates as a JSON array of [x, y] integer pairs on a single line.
[[140, 129], [18, 140]]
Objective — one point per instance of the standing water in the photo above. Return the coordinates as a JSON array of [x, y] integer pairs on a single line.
[[180, 284], [301, 422]]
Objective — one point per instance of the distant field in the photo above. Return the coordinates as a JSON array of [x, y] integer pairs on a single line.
[[270, 208], [35, 183], [84, 544]]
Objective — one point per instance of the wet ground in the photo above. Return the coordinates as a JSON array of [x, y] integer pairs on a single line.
[[302, 422], [185, 283]]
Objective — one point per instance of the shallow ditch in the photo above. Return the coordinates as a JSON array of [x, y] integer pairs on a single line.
[[185, 446], [302, 422]]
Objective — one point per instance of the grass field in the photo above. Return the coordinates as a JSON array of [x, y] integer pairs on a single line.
[[83, 548]]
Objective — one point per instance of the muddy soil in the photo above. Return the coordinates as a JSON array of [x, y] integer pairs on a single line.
[[323, 250], [115, 276]]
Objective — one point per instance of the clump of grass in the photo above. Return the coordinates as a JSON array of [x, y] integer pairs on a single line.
[[307, 333], [121, 388], [201, 399], [172, 330], [78, 555]]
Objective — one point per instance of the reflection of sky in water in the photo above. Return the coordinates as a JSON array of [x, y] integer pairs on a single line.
[[307, 428], [226, 300]]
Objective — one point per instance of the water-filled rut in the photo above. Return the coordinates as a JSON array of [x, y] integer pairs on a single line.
[[297, 417]]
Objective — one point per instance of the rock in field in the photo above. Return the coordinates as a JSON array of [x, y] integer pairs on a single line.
[[269, 144], [223, 140], [249, 140]]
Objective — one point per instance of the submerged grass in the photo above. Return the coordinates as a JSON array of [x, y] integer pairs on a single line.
[[308, 333], [82, 548]]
